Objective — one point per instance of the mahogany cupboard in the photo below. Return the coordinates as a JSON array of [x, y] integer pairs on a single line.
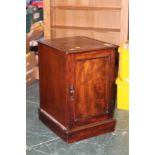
[[77, 87]]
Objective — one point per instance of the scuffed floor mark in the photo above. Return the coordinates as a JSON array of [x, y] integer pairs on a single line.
[[32, 102], [124, 133], [33, 146]]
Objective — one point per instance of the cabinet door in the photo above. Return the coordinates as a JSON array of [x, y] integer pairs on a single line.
[[92, 87]]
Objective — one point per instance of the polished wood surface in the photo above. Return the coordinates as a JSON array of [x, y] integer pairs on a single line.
[[93, 72], [77, 90], [52, 83], [77, 44], [91, 83], [79, 133]]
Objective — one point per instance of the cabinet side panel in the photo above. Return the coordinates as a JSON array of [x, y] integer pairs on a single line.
[[52, 83]]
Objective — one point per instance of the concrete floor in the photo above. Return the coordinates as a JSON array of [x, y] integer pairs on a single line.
[[42, 141]]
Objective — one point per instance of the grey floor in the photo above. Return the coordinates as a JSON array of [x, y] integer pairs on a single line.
[[42, 141]]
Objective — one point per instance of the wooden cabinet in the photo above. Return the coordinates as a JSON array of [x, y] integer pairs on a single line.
[[77, 87]]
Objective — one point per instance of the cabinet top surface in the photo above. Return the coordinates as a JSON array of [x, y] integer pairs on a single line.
[[77, 44]]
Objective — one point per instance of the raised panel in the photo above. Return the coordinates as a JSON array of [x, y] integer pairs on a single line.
[[72, 18], [92, 85], [89, 18], [106, 18]]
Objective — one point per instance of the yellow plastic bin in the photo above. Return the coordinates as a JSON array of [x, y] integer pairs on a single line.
[[123, 71], [122, 94]]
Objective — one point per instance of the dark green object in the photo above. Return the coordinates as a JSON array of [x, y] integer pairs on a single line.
[[28, 22], [37, 14], [33, 15]]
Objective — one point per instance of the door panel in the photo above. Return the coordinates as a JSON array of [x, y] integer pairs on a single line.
[[91, 88]]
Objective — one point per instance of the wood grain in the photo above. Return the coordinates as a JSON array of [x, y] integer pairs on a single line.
[[91, 84], [106, 20], [124, 22], [47, 18], [86, 28], [77, 93], [52, 83], [86, 8], [80, 133]]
